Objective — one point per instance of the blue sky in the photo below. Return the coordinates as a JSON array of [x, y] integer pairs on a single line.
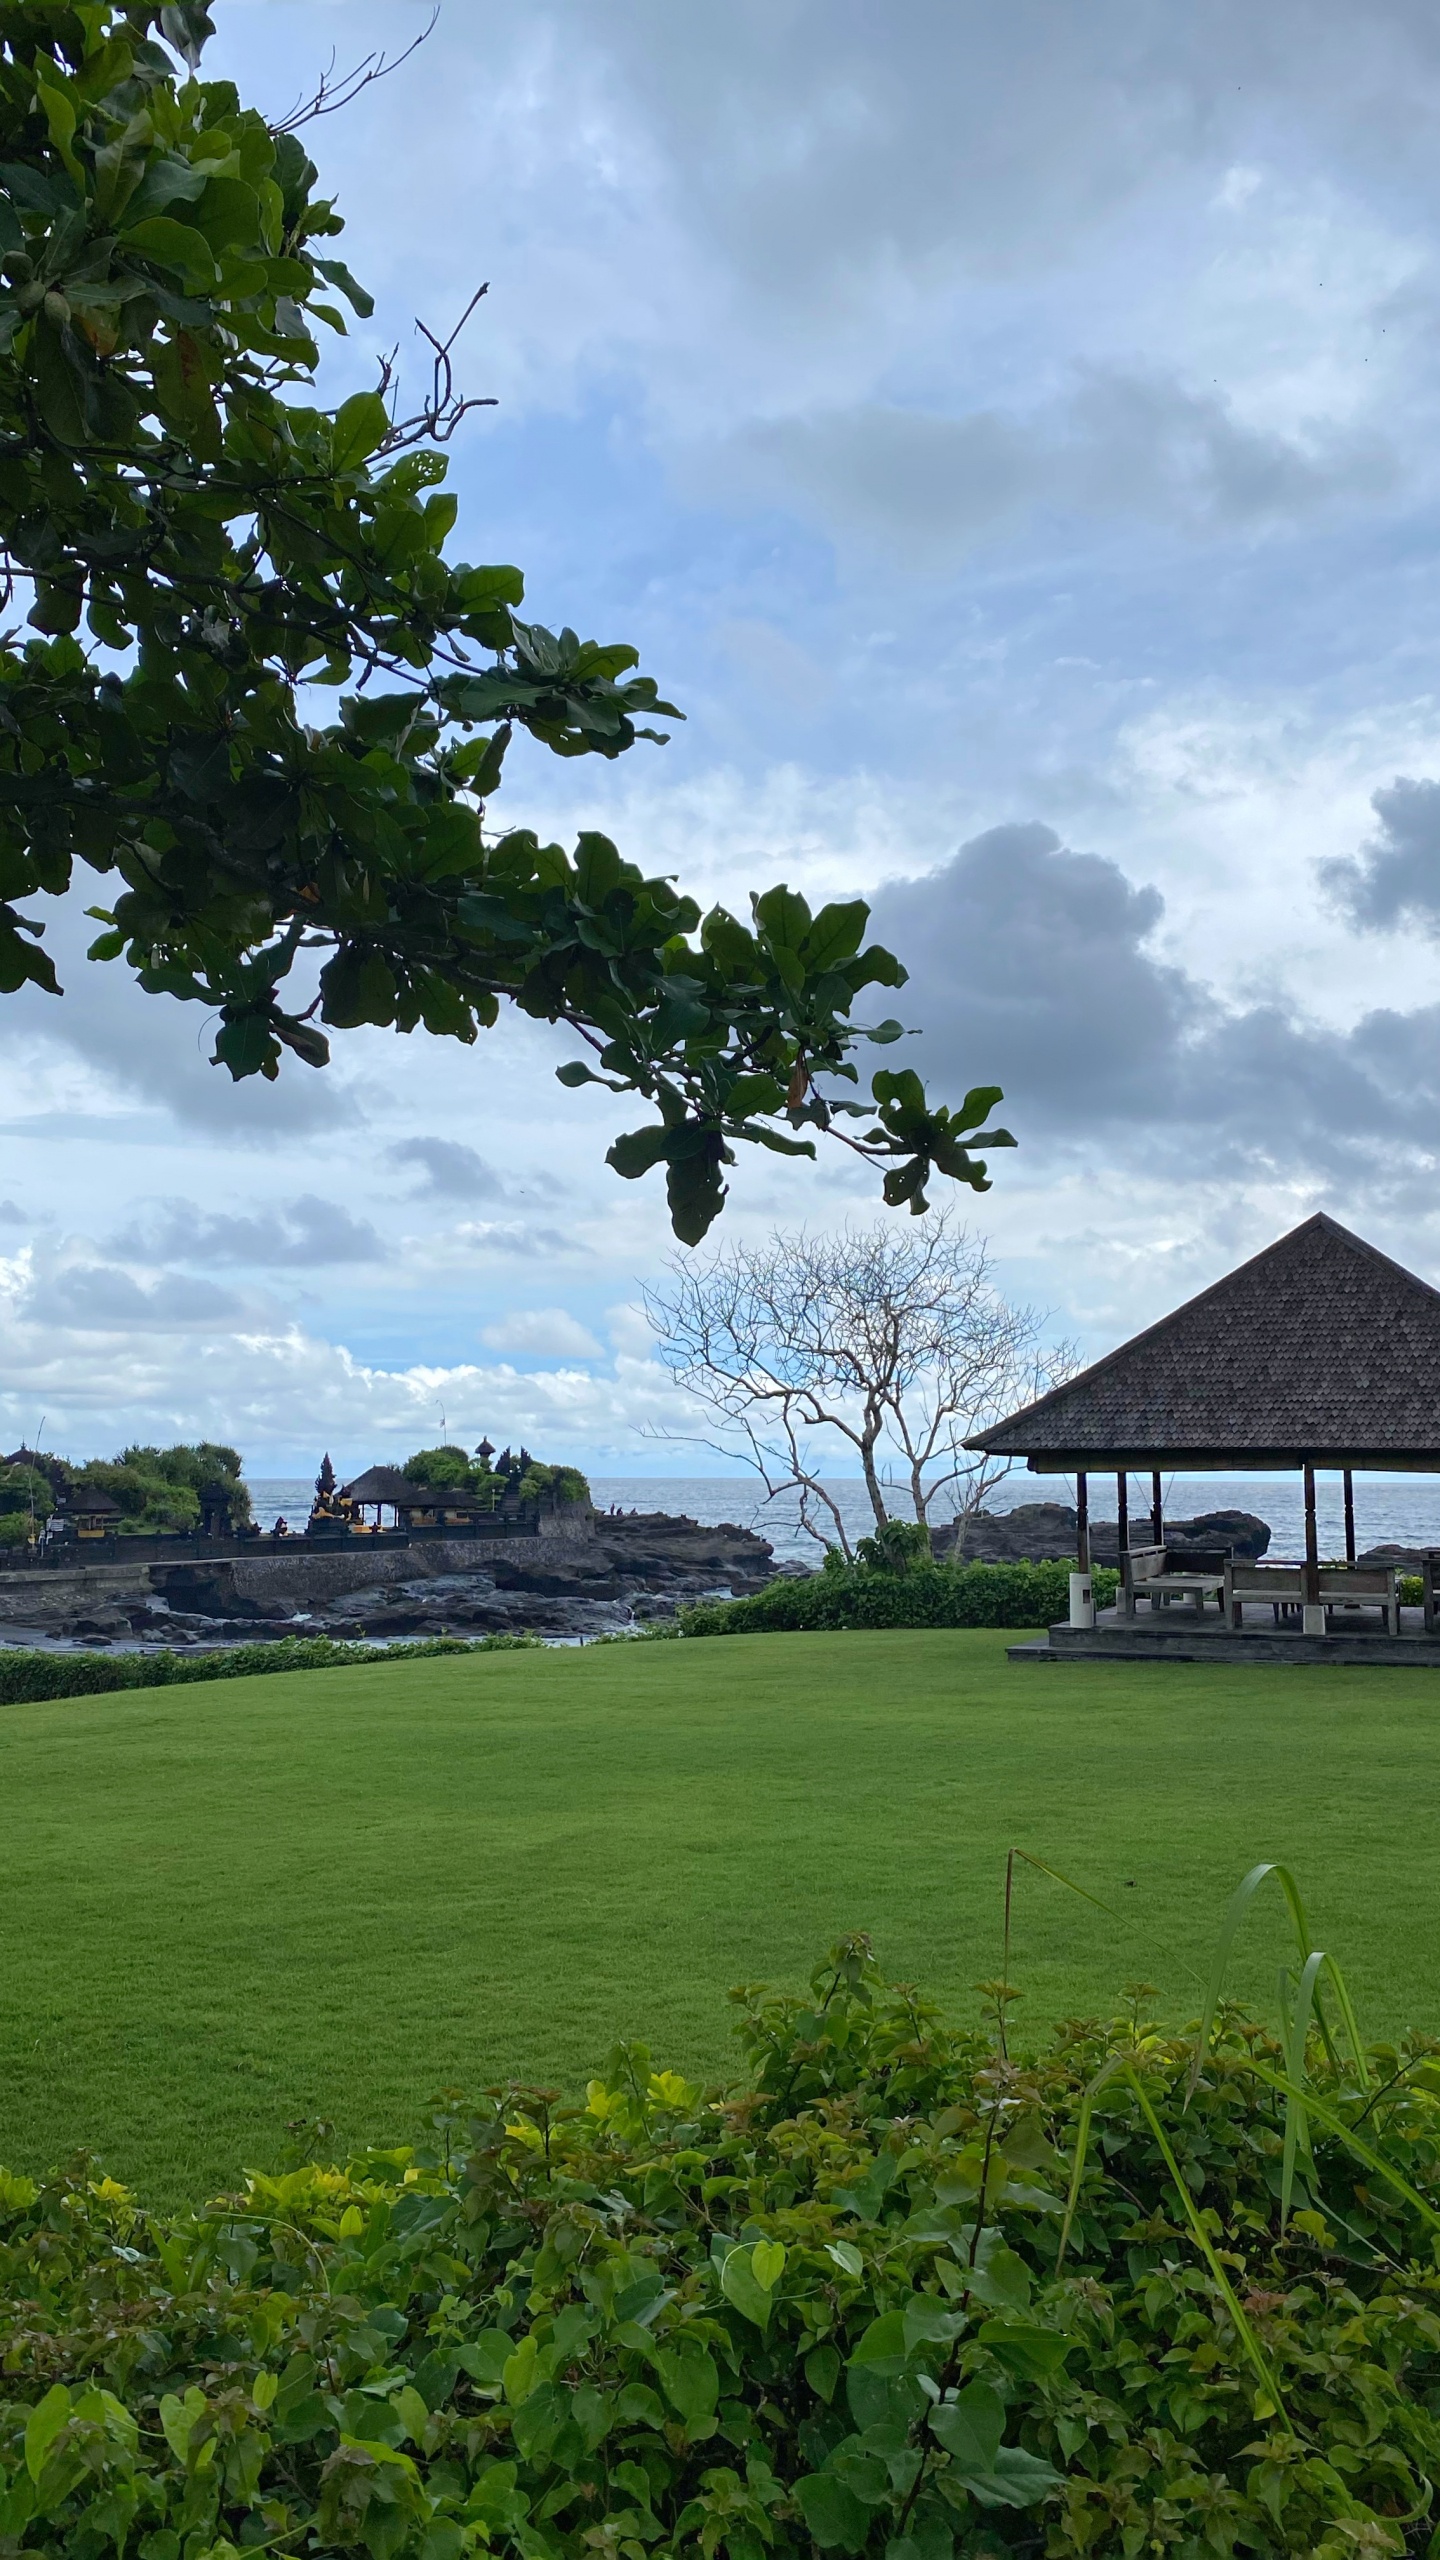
[[1011, 435]]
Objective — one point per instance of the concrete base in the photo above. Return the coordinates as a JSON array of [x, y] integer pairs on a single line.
[[1174, 1635]]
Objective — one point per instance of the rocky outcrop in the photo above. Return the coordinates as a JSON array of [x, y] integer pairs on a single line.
[[1043, 1532], [625, 1571]]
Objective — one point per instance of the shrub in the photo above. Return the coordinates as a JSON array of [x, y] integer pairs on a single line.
[[15, 1528], [924, 1595], [841, 2306], [25, 1676]]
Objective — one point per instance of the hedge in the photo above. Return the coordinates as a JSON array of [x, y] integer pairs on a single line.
[[934, 1595], [25, 1675], [895, 2293]]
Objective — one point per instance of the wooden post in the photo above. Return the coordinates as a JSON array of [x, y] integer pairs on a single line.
[[1312, 1548], [1349, 1517], [1082, 1522], [1122, 1518], [1157, 1510]]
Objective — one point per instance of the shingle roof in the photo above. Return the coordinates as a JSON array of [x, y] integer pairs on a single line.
[[382, 1484], [1320, 1348]]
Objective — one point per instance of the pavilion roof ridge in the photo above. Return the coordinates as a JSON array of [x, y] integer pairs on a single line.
[[1318, 1345]]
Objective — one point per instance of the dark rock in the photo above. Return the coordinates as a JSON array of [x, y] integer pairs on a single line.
[[1045, 1532]]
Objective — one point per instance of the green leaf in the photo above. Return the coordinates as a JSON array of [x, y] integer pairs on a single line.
[[179, 2418], [638, 1151], [767, 2260], [177, 246], [822, 2371], [836, 935], [970, 2426], [692, 2384], [737, 2283], [753, 1093], [360, 427], [43, 2426], [835, 2517], [335, 272], [783, 918], [1018, 2479], [1032, 2354], [695, 1194], [1001, 2280], [598, 868]]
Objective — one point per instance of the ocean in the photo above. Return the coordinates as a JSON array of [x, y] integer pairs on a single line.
[[1389, 1510]]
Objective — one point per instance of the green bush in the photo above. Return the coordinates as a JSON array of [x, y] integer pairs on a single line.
[[15, 1528], [841, 2306], [160, 1489], [25, 1675], [924, 1595]]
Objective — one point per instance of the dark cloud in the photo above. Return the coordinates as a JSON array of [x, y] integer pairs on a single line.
[[98, 1298], [1117, 444], [157, 1051], [1031, 968], [1028, 968], [447, 1170], [1395, 877], [302, 1234]]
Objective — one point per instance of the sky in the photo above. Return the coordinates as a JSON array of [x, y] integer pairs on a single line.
[[1010, 436]]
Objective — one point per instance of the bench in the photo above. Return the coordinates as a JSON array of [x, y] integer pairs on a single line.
[[1283, 1585], [1341, 1589], [1162, 1574]]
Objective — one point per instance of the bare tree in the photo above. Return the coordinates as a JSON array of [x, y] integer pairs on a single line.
[[893, 1342]]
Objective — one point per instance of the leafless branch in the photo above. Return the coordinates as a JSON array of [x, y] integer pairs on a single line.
[[331, 94], [436, 420], [894, 1343]]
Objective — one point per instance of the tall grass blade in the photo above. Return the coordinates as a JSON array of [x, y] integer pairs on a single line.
[[1118, 2067], [1330, 2116], [1082, 2146], [1068, 1882], [1203, 2242], [1239, 1904]]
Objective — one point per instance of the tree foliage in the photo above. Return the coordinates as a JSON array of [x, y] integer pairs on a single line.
[[202, 538], [162, 1488], [881, 2297]]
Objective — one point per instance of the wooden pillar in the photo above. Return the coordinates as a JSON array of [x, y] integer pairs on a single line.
[[1157, 1510], [1082, 1522], [1312, 1541], [1349, 1517], [1122, 1518]]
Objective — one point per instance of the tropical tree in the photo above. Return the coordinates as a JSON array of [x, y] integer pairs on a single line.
[[875, 1346], [201, 542]]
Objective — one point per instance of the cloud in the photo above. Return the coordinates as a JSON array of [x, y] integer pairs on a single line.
[[543, 1333], [98, 1298], [1029, 969], [301, 1234], [1119, 443], [448, 1170], [515, 1237], [1032, 967], [1395, 877]]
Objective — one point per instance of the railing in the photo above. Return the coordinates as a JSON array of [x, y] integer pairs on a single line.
[[67, 1555]]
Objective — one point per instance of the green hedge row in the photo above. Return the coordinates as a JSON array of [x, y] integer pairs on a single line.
[[933, 1595], [894, 2294], [25, 1675]]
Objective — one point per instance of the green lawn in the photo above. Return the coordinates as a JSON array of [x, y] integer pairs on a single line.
[[334, 1892]]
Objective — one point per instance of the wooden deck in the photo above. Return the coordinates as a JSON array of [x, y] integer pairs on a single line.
[[1180, 1634]]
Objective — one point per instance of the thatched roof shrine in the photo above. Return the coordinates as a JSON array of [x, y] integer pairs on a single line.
[[1319, 1352]]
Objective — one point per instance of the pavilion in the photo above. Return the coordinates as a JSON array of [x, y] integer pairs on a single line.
[[1319, 1353]]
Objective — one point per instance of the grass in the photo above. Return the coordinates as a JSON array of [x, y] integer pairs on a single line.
[[228, 1906]]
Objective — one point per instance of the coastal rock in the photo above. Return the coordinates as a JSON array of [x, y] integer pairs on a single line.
[[1045, 1532]]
